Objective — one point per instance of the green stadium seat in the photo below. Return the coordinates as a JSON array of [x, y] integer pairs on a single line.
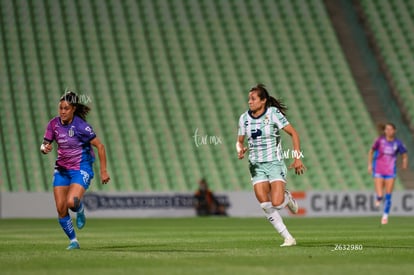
[[158, 70]]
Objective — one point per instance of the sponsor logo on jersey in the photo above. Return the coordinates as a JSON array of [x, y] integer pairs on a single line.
[[256, 133]]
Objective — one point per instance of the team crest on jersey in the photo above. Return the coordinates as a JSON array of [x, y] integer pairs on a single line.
[[395, 147], [266, 120], [71, 132]]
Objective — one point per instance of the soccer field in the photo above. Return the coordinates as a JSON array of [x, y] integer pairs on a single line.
[[209, 246]]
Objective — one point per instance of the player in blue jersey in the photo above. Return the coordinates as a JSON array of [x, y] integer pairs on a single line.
[[382, 164], [73, 168], [261, 125]]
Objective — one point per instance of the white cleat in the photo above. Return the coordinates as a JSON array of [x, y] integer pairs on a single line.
[[288, 242], [384, 220], [292, 204]]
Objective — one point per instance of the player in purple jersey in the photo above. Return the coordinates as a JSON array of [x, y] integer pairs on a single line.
[[382, 164], [73, 169]]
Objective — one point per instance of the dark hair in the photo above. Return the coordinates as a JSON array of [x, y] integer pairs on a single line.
[[73, 99], [262, 93], [381, 127], [390, 124]]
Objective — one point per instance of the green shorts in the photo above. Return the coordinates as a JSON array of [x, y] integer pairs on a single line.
[[268, 171]]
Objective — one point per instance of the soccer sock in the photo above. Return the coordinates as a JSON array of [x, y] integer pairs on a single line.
[[67, 226], [387, 204], [275, 219], [379, 198]]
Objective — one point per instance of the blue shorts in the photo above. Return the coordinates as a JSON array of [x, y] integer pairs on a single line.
[[68, 177], [382, 176]]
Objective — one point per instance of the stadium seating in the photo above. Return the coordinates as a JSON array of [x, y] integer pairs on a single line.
[[392, 23], [158, 72]]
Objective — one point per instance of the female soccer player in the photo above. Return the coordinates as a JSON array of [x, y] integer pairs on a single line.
[[382, 158], [261, 125], [73, 168]]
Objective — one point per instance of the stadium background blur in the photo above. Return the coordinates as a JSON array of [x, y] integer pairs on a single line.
[[167, 81]]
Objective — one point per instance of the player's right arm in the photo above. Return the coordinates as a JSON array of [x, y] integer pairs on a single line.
[[241, 133], [370, 155], [374, 147], [240, 147], [46, 147]]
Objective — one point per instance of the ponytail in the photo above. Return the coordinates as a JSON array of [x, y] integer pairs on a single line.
[[381, 128], [270, 100], [73, 99], [273, 102], [82, 111]]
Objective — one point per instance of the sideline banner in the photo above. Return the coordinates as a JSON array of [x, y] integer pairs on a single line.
[[239, 204], [354, 203]]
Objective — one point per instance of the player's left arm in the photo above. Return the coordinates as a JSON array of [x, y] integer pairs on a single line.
[[404, 163], [297, 163], [102, 159]]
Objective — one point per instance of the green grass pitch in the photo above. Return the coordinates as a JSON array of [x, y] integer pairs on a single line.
[[209, 246]]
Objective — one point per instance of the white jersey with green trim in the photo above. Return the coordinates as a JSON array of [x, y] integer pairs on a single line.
[[263, 134]]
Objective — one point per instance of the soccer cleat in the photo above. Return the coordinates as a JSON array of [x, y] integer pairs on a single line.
[[292, 204], [377, 203], [73, 245], [288, 242], [80, 219], [384, 220]]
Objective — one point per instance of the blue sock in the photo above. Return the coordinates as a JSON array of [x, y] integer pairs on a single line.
[[387, 204], [379, 198], [67, 226]]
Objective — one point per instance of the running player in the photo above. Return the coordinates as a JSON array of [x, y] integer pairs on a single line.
[[261, 125], [73, 168], [382, 164]]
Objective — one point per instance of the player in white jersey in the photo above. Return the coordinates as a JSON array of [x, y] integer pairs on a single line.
[[261, 125]]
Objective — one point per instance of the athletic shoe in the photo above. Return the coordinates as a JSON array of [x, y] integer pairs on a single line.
[[377, 203], [288, 242], [73, 245], [292, 204], [80, 219], [384, 220]]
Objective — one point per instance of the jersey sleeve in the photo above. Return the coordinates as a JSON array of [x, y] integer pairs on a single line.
[[49, 133], [280, 120], [375, 146], [402, 149], [86, 132], [242, 128]]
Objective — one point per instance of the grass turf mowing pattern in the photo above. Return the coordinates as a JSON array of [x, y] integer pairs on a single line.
[[208, 246]]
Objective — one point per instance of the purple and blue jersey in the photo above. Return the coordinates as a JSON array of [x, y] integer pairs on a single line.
[[73, 141], [385, 157]]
